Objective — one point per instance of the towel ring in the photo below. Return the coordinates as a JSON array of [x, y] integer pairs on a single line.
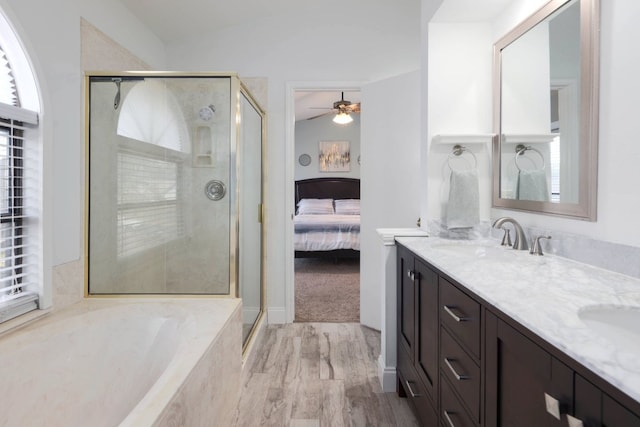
[[521, 149], [457, 151]]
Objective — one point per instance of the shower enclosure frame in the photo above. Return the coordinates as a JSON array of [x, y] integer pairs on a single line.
[[237, 90]]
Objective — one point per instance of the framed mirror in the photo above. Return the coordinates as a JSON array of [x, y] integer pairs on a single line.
[[546, 75]]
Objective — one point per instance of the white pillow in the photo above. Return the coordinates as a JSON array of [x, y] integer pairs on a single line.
[[348, 207], [315, 207]]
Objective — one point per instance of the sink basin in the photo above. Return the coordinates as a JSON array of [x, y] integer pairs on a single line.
[[618, 324], [477, 250]]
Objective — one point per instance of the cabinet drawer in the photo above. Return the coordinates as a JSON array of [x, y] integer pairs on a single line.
[[452, 412], [416, 393], [461, 314], [404, 362], [462, 372]]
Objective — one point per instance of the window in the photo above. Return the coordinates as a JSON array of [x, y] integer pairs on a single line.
[[148, 211], [20, 283], [149, 168]]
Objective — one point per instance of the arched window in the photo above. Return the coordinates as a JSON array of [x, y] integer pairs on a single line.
[[20, 254], [149, 167]]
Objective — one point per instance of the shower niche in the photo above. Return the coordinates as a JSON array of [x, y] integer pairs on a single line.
[[174, 187]]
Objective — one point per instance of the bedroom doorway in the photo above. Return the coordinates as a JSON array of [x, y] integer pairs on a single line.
[[326, 279], [327, 290]]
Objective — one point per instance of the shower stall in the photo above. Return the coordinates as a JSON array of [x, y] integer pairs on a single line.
[[174, 187]]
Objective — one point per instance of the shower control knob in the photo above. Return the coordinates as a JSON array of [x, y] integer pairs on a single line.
[[215, 190]]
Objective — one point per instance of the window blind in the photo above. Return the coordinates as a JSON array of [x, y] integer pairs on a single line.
[[20, 282], [149, 214], [17, 284]]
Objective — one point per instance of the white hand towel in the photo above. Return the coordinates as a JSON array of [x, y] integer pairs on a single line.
[[463, 210], [532, 185]]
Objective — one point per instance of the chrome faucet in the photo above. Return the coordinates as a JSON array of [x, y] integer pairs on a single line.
[[537, 248], [520, 241]]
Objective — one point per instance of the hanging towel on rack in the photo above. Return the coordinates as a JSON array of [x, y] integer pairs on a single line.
[[532, 185], [463, 210]]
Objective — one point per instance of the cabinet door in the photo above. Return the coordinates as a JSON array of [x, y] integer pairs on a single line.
[[525, 384], [596, 409], [616, 415], [406, 301], [587, 403], [427, 326]]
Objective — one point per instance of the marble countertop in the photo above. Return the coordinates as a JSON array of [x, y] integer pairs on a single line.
[[546, 294]]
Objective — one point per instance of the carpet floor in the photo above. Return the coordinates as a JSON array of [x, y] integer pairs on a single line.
[[326, 291]]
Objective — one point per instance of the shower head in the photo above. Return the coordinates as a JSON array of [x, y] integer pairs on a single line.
[[117, 80], [206, 113], [116, 101]]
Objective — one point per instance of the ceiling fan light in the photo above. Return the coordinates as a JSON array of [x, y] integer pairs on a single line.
[[342, 118]]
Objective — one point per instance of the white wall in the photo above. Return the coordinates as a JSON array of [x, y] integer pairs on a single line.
[[379, 41], [619, 153], [51, 34], [391, 189], [459, 102], [310, 132]]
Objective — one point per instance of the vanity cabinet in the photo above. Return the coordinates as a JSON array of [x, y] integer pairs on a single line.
[[418, 335], [462, 362], [526, 385]]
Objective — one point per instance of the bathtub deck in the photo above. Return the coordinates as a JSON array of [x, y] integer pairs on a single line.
[[318, 374]]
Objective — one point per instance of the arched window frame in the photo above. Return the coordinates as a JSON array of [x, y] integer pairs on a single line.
[[21, 256]]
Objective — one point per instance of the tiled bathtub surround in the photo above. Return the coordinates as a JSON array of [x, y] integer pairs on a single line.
[[68, 284], [125, 361], [546, 295]]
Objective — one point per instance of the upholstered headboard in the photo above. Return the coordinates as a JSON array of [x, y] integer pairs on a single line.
[[327, 188]]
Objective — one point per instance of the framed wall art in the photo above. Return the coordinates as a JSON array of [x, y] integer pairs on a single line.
[[334, 156]]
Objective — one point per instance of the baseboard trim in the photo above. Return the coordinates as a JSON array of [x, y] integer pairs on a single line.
[[276, 316], [387, 376]]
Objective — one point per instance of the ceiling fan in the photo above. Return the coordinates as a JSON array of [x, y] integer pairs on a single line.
[[340, 108]]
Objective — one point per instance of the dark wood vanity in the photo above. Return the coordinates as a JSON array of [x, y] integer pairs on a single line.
[[463, 362]]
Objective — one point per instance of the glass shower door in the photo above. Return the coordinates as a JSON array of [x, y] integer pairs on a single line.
[[250, 214], [161, 152]]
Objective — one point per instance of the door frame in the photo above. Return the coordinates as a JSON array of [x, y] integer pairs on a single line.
[[290, 119]]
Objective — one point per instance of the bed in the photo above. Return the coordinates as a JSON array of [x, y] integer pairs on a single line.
[[327, 220]]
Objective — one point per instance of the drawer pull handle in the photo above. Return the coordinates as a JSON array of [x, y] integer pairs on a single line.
[[459, 377], [553, 405], [574, 422], [455, 316], [411, 275], [448, 418], [411, 390]]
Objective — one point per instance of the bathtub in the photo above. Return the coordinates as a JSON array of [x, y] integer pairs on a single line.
[[125, 362]]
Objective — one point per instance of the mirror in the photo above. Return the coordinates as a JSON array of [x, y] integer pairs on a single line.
[[546, 112]]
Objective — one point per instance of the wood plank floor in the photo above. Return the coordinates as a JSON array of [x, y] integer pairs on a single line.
[[318, 374]]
